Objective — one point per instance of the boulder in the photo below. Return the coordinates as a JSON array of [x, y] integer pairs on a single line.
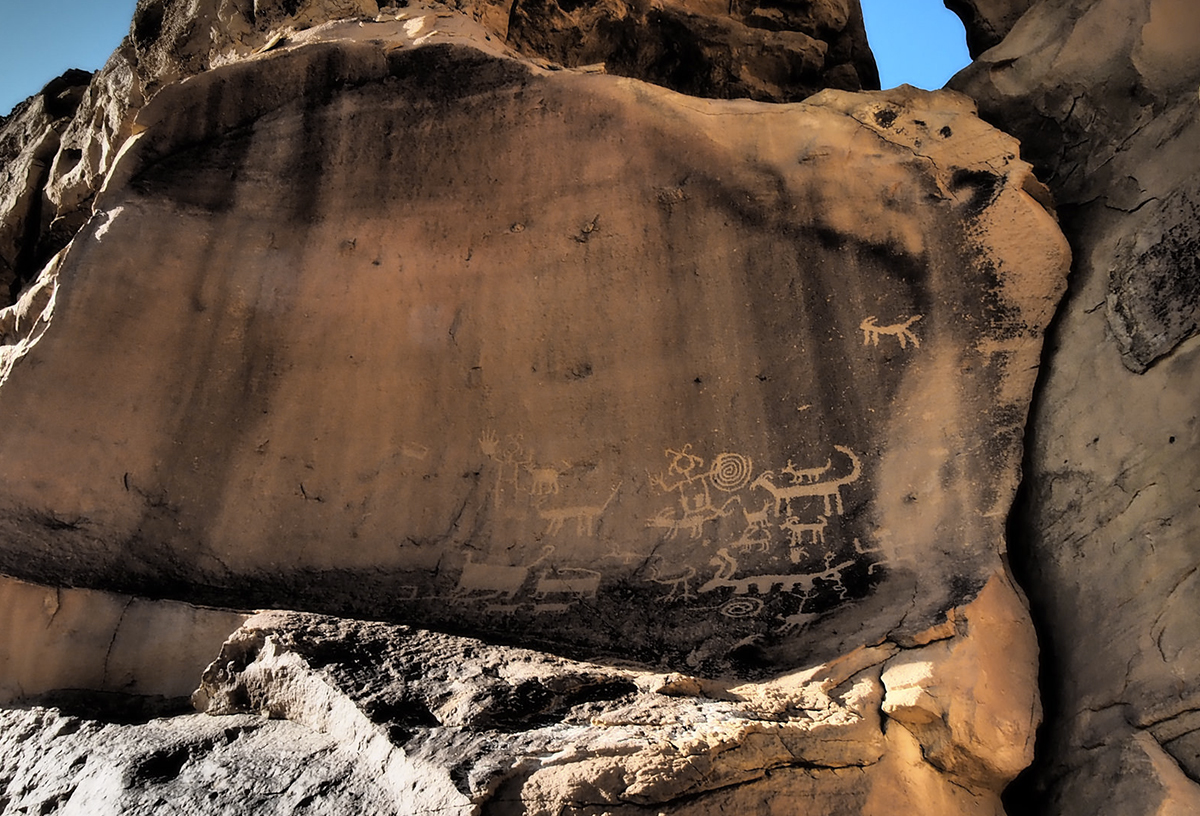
[[409, 328], [1104, 98]]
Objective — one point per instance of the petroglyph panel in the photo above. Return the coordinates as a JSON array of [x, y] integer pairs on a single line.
[[349, 354]]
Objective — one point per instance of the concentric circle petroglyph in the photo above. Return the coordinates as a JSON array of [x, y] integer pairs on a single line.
[[731, 471], [742, 608]]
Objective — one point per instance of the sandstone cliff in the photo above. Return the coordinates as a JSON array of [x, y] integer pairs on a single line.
[[464, 318], [1104, 99]]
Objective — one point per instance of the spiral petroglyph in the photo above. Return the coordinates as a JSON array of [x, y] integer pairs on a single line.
[[731, 471]]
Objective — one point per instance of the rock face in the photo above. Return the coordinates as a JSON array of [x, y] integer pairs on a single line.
[[379, 313], [407, 377], [1104, 98], [94, 650], [776, 53], [29, 139]]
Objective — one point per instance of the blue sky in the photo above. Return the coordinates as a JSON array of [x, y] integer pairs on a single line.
[[915, 41]]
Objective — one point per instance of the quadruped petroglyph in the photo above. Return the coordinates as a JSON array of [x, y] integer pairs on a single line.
[[766, 545], [901, 331], [585, 516]]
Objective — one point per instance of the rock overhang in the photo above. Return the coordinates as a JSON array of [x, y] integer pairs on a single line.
[[431, 333]]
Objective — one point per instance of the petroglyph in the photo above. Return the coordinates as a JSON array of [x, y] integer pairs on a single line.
[[496, 580], [741, 608], [679, 584], [418, 452], [729, 472], [806, 475], [727, 567], [545, 479], [586, 517], [901, 331], [829, 490], [796, 533], [692, 522], [756, 535], [582, 583], [510, 457], [799, 620]]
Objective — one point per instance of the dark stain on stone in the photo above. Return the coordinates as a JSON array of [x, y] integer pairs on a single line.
[[885, 118]]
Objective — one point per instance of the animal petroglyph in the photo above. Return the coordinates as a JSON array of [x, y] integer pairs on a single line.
[[806, 475], [545, 479], [582, 583], [586, 517], [756, 535], [829, 490], [727, 567], [496, 580], [901, 331], [797, 531], [679, 584], [693, 522]]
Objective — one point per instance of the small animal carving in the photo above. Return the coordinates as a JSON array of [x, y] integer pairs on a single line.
[[586, 517], [901, 331], [582, 583], [806, 475]]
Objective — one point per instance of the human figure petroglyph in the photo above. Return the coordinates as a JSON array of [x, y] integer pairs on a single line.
[[511, 458], [495, 579], [727, 567], [686, 475], [586, 517], [679, 584], [872, 331], [729, 472], [829, 490], [582, 583]]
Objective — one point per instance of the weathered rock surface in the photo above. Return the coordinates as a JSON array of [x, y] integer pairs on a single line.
[[987, 21], [29, 140], [407, 377], [1104, 98], [97, 649], [367, 313], [56, 763], [419, 722], [778, 52]]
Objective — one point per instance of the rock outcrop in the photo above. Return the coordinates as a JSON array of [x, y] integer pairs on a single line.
[[776, 53], [421, 315], [99, 652], [30, 137], [406, 377], [1103, 96], [420, 722]]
